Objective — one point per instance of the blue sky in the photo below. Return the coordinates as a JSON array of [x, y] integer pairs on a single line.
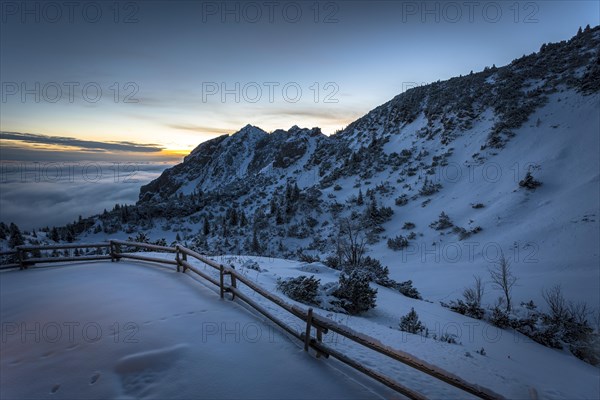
[[163, 66], [146, 82]]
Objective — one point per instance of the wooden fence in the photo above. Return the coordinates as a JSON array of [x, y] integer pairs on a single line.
[[321, 325]]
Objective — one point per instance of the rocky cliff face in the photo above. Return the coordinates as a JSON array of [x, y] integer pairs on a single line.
[[225, 161]]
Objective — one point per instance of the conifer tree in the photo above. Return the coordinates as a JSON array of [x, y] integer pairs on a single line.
[[16, 238], [206, 227]]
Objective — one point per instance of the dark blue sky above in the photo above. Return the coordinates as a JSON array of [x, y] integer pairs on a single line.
[[175, 73]]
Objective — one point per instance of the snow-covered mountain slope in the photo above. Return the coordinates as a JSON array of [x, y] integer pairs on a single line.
[[460, 147]]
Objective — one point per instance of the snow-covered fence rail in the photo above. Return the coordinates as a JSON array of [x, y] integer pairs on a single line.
[[116, 251], [403, 357], [21, 259], [321, 325]]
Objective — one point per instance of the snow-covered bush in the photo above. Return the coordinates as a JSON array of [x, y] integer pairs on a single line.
[[308, 258], [448, 338], [407, 289], [333, 262], [372, 270], [408, 225], [402, 200], [397, 243], [529, 182], [468, 309], [354, 293], [471, 306], [429, 188], [410, 323], [443, 222], [500, 317], [464, 233], [302, 288], [251, 264]]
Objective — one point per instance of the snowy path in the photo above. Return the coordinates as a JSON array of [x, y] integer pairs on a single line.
[[134, 330]]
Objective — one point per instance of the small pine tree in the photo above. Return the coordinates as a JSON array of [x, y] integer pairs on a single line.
[[255, 246], [302, 288], [16, 238], [54, 236], [354, 293], [3, 231], [410, 323], [70, 236], [279, 218], [206, 227], [360, 201], [233, 217]]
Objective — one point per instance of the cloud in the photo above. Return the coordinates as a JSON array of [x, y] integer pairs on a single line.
[[81, 145], [199, 128], [33, 203], [316, 114]]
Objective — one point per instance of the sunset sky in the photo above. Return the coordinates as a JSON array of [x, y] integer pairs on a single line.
[[161, 66]]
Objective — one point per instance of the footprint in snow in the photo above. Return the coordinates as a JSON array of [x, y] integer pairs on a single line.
[[141, 372], [94, 378]]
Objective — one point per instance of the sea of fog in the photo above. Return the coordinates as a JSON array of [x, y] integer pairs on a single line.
[[39, 194]]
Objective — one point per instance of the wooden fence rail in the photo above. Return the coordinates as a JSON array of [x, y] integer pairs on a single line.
[[23, 261], [320, 324]]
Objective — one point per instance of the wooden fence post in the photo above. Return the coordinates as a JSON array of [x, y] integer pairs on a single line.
[[114, 251], [177, 257], [233, 282], [21, 255], [111, 249], [222, 291], [184, 258], [309, 316]]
